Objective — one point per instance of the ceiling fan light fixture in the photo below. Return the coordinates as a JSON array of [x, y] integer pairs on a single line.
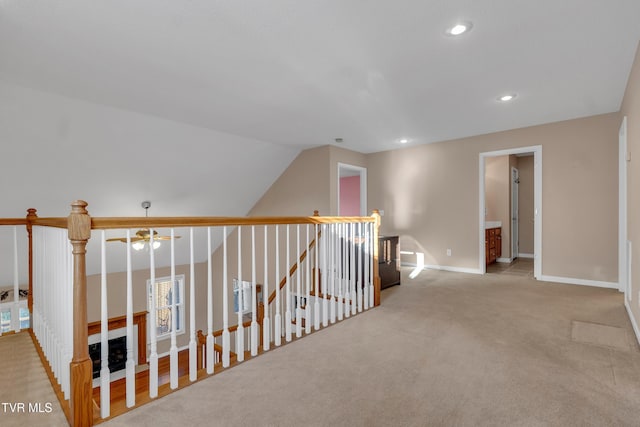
[[138, 246], [142, 239]]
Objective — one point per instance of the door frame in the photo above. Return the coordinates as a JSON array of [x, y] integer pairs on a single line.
[[623, 244], [537, 204], [362, 172], [515, 188]]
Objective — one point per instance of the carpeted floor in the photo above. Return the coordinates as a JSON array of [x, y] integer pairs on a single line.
[[26, 395], [444, 349]]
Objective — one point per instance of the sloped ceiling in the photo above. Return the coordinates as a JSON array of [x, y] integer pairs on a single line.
[[301, 73], [200, 105]]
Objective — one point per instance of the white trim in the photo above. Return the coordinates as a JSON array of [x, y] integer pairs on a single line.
[[504, 260], [523, 255], [445, 268], [362, 172], [537, 204], [633, 321], [582, 282], [623, 282]]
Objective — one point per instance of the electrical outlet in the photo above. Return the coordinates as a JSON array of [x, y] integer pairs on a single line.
[[448, 252], [381, 211]]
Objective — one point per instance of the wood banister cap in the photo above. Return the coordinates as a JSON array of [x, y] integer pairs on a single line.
[[79, 207], [79, 221]]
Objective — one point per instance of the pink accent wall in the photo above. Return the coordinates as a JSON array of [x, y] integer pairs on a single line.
[[350, 196]]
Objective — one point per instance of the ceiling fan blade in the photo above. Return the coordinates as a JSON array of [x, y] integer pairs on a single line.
[[165, 237], [124, 239]]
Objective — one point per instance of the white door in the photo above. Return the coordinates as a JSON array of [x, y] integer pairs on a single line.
[[515, 181]]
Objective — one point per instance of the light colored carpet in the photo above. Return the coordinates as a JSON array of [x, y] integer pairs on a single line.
[[26, 395], [444, 349], [608, 336]]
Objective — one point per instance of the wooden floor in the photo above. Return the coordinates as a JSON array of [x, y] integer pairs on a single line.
[[119, 387]]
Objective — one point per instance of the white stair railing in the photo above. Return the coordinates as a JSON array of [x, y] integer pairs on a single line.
[[52, 290], [332, 263]]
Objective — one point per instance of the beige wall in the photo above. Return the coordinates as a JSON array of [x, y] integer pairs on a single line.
[[525, 204], [303, 187], [430, 196], [631, 109]]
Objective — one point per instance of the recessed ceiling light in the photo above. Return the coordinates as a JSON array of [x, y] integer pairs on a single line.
[[403, 141], [459, 28], [508, 97]]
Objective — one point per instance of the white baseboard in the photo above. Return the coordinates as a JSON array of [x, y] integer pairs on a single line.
[[505, 260], [523, 255], [633, 320], [583, 282], [445, 268]]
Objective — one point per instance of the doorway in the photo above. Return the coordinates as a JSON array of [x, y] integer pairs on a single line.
[[352, 190], [536, 218], [515, 182]]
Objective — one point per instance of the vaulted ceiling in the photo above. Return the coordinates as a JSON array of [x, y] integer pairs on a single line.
[[302, 73], [199, 105]]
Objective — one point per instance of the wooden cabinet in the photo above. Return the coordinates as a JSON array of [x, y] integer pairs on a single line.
[[388, 261], [492, 244]]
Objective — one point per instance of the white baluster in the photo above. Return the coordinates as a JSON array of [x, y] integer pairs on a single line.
[[360, 265], [287, 314], [341, 270], [193, 348], [226, 339], [332, 270], [325, 291], [240, 330], [173, 350], [15, 309], [365, 289], [307, 308], [371, 260], [316, 304], [354, 264], [254, 295], [153, 356], [298, 288], [105, 374], [209, 349], [347, 268], [131, 363], [265, 293], [277, 319]]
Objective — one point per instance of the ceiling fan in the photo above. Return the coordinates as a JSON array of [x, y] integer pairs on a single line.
[[142, 238]]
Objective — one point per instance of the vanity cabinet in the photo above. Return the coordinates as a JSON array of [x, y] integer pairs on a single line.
[[492, 244]]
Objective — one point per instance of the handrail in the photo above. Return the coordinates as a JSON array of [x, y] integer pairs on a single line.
[[132, 222], [13, 221], [292, 270], [50, 222]]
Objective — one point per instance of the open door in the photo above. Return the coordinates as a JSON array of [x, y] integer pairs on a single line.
[[352, 190]]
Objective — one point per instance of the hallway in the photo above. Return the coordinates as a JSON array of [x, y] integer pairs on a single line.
[[519, 267]]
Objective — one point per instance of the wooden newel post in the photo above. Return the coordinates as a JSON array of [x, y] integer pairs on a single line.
[[79, 228], [376, 271], [31, 215]]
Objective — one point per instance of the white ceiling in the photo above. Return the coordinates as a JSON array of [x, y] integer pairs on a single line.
[[301, 73]]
